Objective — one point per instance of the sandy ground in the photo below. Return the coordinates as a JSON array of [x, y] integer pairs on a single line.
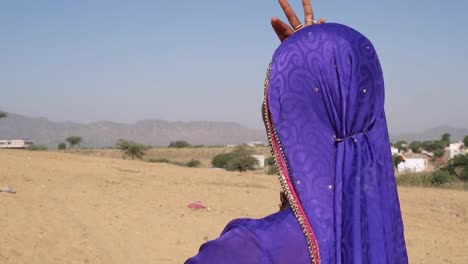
[[78, 209]]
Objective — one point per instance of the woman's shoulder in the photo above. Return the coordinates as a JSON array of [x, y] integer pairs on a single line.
[[276, 238]]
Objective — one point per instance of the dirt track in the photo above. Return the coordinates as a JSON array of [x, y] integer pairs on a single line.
[[78, 209]]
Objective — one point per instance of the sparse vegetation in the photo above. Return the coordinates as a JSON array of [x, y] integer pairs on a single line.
[[163, 160], [3, 115], [62, 146], [132, 149], [190, 164], [73, 141], [453, 175], [37, 147]]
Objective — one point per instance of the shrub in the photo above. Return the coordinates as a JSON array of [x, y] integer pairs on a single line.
[[193, 164], [270, 161], [464, 174], [240, 159], [439, 152], [271, 170], [439, 178], [242, 163], [62, 146], [220, 160], [460, 160], [179, 144], [132, 149]]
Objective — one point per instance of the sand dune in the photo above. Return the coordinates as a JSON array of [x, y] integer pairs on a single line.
[[78, 209]]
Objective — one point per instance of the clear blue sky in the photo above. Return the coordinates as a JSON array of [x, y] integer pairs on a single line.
[[205, 60]]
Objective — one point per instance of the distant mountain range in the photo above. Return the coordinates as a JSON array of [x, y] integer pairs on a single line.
[[106, 134], [430, 134], [159, 132]]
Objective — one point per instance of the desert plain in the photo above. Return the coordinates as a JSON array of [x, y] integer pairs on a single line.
[[71, 208]]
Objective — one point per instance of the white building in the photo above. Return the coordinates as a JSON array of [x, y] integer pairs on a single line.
[[413, 165], [255, 143], [261, 160], [394, 150], [15, 143], [456, 149]]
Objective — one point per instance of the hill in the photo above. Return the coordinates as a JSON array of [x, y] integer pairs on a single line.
[[105, 133]]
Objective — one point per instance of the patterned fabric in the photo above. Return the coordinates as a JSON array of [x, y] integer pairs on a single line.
[[324, 106]]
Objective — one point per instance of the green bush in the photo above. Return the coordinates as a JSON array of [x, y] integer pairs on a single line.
[[464, 174], [193, 164], [62, 146], [179, 144], [460, 160], [438, 152], [239, 159], [439, 178], [270, 161], [220, 160]]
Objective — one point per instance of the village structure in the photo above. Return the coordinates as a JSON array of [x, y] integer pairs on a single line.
[[424, 161], [16, 143]]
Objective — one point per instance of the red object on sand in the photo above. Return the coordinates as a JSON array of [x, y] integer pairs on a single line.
[[196, 206]]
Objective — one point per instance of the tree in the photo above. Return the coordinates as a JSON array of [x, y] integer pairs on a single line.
[[439, 153], [426, 145], [3, 115], [62, 146], [401, 145], [242, 163], [131, 148], [446, 138], [73, 140], [397, 159], [179, 144], [465, 141], [415, 146]]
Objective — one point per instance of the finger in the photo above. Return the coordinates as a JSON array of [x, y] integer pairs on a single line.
[[292, 18], [282, 30], [321, 21], [308, 13]]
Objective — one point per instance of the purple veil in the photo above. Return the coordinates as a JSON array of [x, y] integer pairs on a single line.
[[325, 120]]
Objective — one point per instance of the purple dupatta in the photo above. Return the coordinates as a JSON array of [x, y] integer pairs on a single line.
[[325, 120]]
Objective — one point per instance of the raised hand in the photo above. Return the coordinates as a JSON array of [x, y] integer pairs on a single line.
[[284, 30]]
